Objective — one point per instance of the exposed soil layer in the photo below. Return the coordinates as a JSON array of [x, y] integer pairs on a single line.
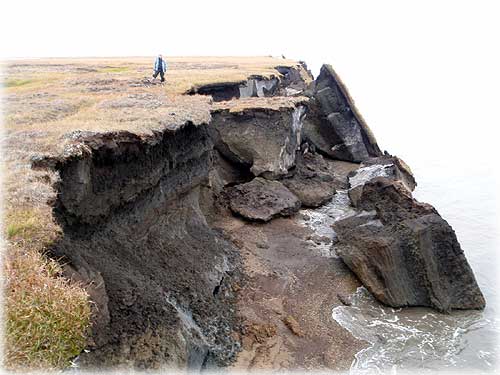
[[162, 279], [263, 139], [219, 91], [288, 81]]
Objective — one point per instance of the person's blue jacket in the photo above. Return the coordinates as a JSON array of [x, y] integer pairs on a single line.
[[163, 67]]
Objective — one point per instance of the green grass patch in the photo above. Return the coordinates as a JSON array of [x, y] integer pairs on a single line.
[[17, 82], [22, 224], [47, 316]]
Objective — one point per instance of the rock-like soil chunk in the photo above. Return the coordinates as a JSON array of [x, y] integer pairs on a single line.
[[335, 126], [264, 140], [312, 182], [404, 252], [262, 200], [390, 167]]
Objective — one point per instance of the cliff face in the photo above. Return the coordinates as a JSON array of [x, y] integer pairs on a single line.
[[137, 213], [133, 226]]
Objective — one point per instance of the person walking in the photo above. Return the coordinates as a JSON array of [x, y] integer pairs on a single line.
[[160, 68]]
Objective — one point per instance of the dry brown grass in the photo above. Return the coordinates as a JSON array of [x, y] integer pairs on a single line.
[[46, 315], [273, 103], [57, 96]]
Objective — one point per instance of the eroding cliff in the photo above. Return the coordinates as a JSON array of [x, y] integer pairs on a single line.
[[130, 211], [139, 215], [286, 81]]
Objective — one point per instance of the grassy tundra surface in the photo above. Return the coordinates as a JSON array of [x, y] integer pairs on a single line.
[[45, 101]]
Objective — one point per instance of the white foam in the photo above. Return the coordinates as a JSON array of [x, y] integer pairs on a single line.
[[410, 338], [322, 218], [365, 174]]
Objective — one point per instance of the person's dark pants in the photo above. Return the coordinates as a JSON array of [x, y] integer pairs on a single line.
[[161, 73]]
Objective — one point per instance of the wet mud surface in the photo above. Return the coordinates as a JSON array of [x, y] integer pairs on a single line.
[[290, 287]]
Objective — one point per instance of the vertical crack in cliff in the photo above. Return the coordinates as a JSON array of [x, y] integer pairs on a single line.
[[288, 81]]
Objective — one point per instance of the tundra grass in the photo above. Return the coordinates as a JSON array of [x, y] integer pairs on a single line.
[[46, 315], [17, 82], [114, 69]]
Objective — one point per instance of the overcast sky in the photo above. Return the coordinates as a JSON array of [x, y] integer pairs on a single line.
[[412, 67]]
